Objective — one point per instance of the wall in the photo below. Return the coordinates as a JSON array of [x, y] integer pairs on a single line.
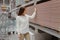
[[48, 14]]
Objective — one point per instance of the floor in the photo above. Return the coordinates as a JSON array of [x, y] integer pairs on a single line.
[[35, 36]]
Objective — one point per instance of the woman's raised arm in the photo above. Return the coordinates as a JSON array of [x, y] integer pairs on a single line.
[[33, 15]]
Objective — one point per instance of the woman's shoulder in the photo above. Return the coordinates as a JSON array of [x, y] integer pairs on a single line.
[[17, 16], [20, 16], [25, 14]]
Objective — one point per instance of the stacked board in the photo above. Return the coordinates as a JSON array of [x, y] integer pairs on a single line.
[[48, 14]]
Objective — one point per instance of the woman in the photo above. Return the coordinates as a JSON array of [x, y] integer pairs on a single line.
[[22, 24]]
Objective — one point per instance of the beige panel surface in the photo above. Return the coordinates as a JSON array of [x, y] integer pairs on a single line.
[[48, 14]]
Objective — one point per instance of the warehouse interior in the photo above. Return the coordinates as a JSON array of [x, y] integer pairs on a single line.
[[45, 26]]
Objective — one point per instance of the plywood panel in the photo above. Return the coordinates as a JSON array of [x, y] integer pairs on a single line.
[[48, 14]]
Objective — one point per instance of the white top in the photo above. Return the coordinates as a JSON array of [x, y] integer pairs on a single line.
[[22, 23]]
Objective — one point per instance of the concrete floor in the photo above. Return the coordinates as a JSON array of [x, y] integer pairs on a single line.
[[38, 36], [44, 36]]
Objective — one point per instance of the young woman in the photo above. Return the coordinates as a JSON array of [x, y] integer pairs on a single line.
[[22, 23]]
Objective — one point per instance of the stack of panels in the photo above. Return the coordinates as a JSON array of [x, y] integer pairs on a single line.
[[48, 14]]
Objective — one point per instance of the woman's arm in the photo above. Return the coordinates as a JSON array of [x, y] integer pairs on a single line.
[[33, 15]]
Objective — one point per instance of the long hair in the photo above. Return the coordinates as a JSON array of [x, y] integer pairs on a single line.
[[21, 11]]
